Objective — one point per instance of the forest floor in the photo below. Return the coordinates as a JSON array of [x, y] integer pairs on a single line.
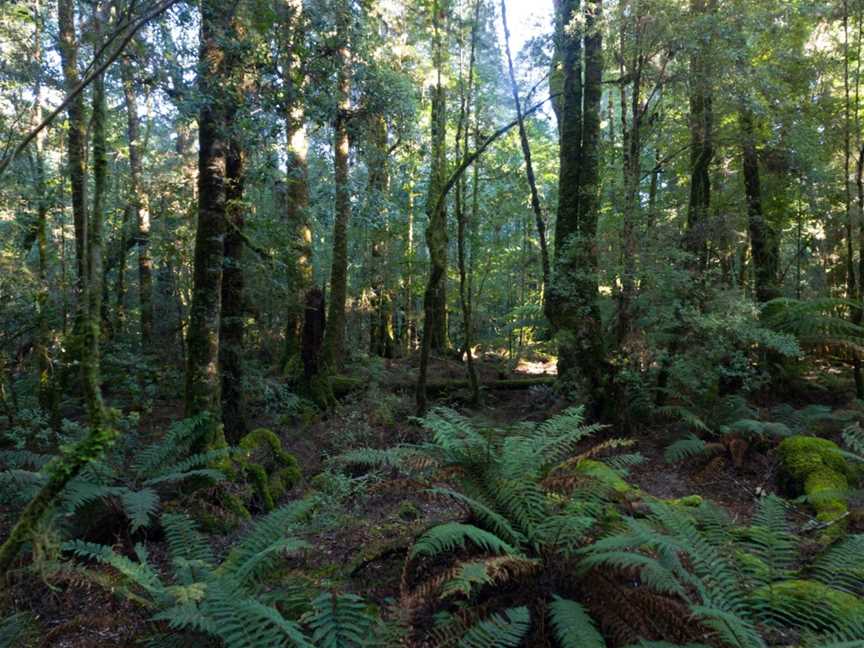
[[362, 543]]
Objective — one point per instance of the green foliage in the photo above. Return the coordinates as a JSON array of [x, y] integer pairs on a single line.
[[574, 628], [339, 621], [735, 579], [817, 324], [530, 499], [504, 630], [228, 601], [274, 473]]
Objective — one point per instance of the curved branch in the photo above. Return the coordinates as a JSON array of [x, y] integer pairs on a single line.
[[133, 29]]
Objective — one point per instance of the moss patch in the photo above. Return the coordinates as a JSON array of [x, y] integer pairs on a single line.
[[271, 470], [604, 474], [817, 468]]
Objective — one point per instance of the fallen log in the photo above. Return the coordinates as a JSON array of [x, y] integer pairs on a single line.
[[343, 385]]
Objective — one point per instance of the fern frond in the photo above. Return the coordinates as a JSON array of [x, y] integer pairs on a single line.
[[339, 621], [266, 532], [574, 627], [489, 571], [445, 538], [505, 630], [496, 522], [841, 567], [139, 506], [185, 541], [690, 446]]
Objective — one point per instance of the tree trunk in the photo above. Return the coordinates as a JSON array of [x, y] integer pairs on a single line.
[[462, 137], [231, 319], [701, 141], [202, 365], [572, 302], [763, 243], [435, 297], [141, 205], [435, 300], [381, 340], [93, 286], [334, 334], [75, 138], [296, 193]]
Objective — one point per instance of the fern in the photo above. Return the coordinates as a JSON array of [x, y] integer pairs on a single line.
[[139, 506], [573, 627], [505, 630], [445, 538], [339, 621], [690, 446]]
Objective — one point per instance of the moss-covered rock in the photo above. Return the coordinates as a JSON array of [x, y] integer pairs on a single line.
[[604, 474], [816, 468], [809, 601], [271, 470]]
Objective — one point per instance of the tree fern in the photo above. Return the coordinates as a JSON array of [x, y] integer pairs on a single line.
[[504, 630], [574, 628], [339, 621], [445, 538]]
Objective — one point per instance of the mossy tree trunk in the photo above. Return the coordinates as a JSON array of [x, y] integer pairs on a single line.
[[296, 191], [76, 138], [381, 338], [763, 240], [435, 297], [140, 204], [572, 301], [334, 336], [202, 365], [93, 287], [435, 301], [701, 136], [232, 314]]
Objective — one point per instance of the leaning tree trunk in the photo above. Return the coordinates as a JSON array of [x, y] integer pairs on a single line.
[[539, 217], [141, 205], [202, 362]]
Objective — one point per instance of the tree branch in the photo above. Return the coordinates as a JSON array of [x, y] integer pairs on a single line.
[[133, 29]]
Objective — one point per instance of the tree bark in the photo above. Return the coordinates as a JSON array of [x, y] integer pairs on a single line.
[[701, 141], [296, 194], [334, 334], [202, 365], [435, 300], [381, 334], [141, 206], [572, 302], [75, 140], [763, 239], [93, 287]]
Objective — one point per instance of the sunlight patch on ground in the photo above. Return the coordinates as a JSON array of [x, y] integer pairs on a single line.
[[537, 367]]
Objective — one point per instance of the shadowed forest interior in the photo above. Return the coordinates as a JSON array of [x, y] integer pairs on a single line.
[[432, 323]]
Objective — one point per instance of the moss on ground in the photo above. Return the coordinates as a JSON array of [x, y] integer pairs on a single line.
[[271, 470], [816, 468]]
